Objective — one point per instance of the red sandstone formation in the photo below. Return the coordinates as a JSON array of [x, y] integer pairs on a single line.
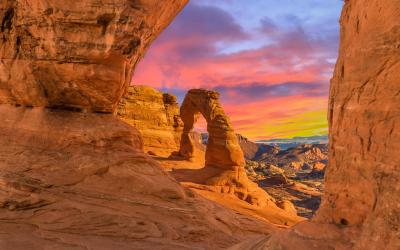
[[74, 180], [224, 158], [156, 116], [287, 206], [223, 150], [75, 54], [362, 184], [249, 148]]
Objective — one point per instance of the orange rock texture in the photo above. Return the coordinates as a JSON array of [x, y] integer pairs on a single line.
[[71, 180], [156, 116], [362, 183], [224, 159], [223, 150], [75, 54]]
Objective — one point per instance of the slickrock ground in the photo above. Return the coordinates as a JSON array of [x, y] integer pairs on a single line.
[[76, 181], [193, 175], [75, 54], [156, 116]]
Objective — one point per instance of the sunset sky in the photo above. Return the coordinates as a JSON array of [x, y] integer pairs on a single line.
[[270, 60]]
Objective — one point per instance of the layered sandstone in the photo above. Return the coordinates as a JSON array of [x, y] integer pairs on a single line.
[[75, 55], [224, 159], [362, 183], [360, 208], [223, 150], [70, 180], [74, 180], [156, 116]]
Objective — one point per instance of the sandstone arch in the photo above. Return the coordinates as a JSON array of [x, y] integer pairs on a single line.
[[224, 163], [223, 150]]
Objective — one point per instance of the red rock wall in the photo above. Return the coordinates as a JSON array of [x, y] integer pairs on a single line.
[[363, 177]]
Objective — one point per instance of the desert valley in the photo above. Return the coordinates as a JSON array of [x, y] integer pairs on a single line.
[[91, 160]]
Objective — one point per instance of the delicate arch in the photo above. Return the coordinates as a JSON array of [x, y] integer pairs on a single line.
[[223, 150]]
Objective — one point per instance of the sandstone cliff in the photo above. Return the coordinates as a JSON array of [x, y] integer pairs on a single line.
[[156, 116], [249, 148], [364, 119]]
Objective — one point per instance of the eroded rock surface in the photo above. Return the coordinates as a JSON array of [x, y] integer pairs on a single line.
[[362, 183], [75, 55], [81, 181], [223, 150], [156, 116], [302, 158], [224, 159]]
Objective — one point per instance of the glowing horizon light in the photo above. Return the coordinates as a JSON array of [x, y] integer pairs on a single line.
[[270, 61]]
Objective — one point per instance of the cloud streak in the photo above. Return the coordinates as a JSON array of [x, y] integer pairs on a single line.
[[274, 61]]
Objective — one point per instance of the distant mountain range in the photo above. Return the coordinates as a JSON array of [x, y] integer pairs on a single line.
[[295, 141]]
